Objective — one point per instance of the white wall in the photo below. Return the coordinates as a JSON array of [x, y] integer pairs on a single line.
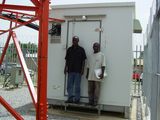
[[116, 44]]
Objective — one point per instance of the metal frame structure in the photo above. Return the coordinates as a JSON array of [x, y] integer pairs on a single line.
[[13, 14]]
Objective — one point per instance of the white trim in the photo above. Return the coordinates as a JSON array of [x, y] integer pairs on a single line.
[[95, 5]]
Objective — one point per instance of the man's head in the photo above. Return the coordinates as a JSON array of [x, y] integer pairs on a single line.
[[75, 40], [96, 47]]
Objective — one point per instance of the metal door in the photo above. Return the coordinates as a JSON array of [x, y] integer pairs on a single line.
[[88, 33]]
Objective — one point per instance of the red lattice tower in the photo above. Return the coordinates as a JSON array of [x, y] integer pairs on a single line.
[[14, 14]]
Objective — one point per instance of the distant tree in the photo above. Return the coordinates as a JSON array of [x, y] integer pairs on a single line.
[[29, 47]]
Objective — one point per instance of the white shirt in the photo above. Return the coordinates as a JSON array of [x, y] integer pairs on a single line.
[[95, 61]]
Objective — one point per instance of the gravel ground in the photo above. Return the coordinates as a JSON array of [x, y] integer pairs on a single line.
[[20, 100]]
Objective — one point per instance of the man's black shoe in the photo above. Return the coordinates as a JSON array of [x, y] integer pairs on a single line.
[[69, 101], [94, 104], [90, 103], [76, 102]]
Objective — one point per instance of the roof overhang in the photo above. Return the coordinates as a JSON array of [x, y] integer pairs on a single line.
[[137, 28]]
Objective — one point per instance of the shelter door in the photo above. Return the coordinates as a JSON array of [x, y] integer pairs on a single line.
[[88, 33]]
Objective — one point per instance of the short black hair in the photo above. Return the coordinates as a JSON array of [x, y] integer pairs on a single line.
[[97, 44], [75, 37]]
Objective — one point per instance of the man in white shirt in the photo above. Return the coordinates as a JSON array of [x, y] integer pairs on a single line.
[[95, 61]]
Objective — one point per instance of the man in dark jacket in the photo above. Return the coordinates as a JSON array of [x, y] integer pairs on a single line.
[[75, 61]]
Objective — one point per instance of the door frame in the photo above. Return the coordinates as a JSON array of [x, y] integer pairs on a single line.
[[67, 41]]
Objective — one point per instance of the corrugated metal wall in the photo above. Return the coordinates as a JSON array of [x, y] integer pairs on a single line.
[[151, 78]]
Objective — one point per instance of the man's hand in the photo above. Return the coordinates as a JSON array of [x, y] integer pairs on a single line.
[[87, 73], [82, 72], [65, 69], [101, 76], [86, 76]]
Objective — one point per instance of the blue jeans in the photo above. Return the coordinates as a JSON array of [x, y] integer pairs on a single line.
[[73, 86]]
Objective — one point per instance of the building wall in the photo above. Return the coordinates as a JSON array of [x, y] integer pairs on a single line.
[[116, 43]]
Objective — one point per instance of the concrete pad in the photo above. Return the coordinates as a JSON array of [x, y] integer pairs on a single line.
[[87, 115], [134, 109]]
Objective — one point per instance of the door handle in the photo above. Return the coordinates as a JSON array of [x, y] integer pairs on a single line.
[[158, 74]]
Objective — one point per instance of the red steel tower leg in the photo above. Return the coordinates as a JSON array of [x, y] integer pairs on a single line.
[[25, 69], [42, 61], [5, 47], [41, 10], [16, 115]]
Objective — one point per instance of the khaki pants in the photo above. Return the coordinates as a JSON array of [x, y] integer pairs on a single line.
[[93, 91]]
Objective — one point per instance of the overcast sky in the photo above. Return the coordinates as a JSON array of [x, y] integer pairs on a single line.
[[142, 9]]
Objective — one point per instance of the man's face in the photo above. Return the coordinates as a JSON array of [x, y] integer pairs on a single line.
[[96, 47], [75, 41]]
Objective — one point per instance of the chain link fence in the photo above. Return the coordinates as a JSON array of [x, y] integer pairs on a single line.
[[137, 71], [10, 71]]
